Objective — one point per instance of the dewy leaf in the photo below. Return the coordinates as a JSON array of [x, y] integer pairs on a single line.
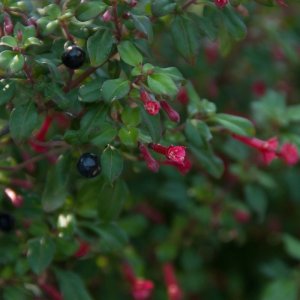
[[162, 84], [89, 10], [23, 120], [115, 89], [112, 164], [55, 191], [111, 200], [235, 124], [143, 24], [40, 253], [99, 46], [129, 53], [185, 37], [292, 246], [71, 286]]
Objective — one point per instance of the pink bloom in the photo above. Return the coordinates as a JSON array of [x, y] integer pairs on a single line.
[[242, 216], [83, 250], [152, 107], [172, 114], [152, 164], [8, 25], [221, 3], [176, 154], [142, 289], [289, 154], [182, 96], [182, 168], [266, 148], [107, 16], [173, 288]]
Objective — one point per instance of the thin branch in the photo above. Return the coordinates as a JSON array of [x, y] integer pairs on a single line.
[[117, 21]]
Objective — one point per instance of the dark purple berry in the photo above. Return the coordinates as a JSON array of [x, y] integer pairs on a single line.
[[7, 222], [88, 165], [73, 57]]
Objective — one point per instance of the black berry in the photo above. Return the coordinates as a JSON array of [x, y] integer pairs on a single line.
[[7, 222], [88, 165], [73, 57]]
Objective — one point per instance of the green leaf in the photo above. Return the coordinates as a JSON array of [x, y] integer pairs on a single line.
[[107, 135], [33, 41], [292, 246], [9, 41], [15, 293], [129, 53], [152, 125], [129, 136], [144, 25], [71, 286], [7, 90], [40, 254], [90, 91], [111, 200], [197, 133], [185, 37], [162, 84], [235, 124], [89, 10], [11, 61], [47, 25], [99, 46], [23, 120], [112, 164], [161, 8], [55, 189], [172, 72], [293, 113], [280, 289], [131, 116], [115, 89]]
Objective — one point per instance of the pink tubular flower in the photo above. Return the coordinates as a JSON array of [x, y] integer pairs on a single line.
[[141, 289], [182, 168], [173, 153], [173, 288], [266, 148], [289, 153], [172, 114], [152, 164], [221, 3], [182, 96], [152, 107], [83, 250]]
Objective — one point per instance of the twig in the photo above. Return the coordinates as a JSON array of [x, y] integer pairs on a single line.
[[117, 21]]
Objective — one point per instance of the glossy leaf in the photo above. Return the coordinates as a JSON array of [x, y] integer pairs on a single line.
[[115, 89]]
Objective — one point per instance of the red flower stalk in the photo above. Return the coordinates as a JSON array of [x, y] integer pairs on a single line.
[[173, 288], [152, 164], [15, 199], [41, 135], [8, 26], [182, 96], [141, 289], [51, 291], [170, 111], [221, 3], [173, 153], [182, 168], [289, 153], [83, 250], [266, 148], [152, 107]]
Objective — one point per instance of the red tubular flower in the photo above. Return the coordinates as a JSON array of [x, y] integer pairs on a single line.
[[152, 164], [266, 148], [182, 168], [172, 114], [173, 153], [8, 26], [182, 96], [83, 250], [141, 289], [51, 291], [15, 199], [152, 107], [173, 288], [221, 3], [289, 153], [41, 135]]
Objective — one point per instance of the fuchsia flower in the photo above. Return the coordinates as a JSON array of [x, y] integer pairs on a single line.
[[83, 249], [259, 88], [182, 96], [172, 114], [221, 3], [152, 164], [141, 289], [266, 148], [176, 154], [289, 154], [173, 288], [8, 26], [182, 168], [152, 107], [51, 291]]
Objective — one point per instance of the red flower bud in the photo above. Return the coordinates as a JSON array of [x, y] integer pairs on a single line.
[[152, 107], [152, 164], [289, 153], [8, 26], [172, 114], [173, 153], [107, 16], [51, 291], [174, 290], [221, 3], [19, 35], [182, 96], [182, 168], [83, 250]]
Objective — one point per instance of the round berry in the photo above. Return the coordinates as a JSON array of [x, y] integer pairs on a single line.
[[73, 57], [88, 165], [7, 222]]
